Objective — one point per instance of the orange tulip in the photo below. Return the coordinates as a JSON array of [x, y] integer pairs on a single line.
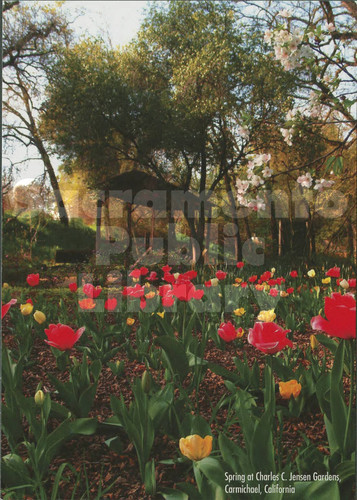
[[290, 388]]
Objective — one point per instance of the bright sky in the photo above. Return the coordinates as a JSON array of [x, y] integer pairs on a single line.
[[117, 21]]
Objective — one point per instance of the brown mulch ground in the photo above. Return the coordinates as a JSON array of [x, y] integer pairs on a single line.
[[103, 466]]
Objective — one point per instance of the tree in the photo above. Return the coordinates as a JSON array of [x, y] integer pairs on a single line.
[[176, 102], [32, 37]]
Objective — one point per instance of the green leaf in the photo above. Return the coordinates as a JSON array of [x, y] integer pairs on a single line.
[[176, 355], [318, 490], [223, 372], [338, 405], [213, 470], [86, 426], [262, 449], [13, 471], [149, 479], [115, 444], [170, 494], [346, 470], [328, 342]]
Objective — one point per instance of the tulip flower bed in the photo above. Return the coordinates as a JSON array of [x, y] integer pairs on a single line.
[[217, 384]]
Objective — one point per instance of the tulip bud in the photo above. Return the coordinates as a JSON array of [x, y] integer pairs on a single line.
[[5, 285], [176, 275], [26, 309], [39, 317], [313, 342], [344, 284], [146, 381], [272, 270], [39, 398]]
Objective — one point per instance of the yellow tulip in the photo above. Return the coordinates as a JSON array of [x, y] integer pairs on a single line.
[[162, 314], [239, 312], [26, 309], [214, 281], [313, 342], [267, 316], [238, 280], [284, 294], [39, 317], [272, 270], [176, 275], [150, 295], [196, 448], [5, 285], [39, 398], [326, 281], [290, 388], [130, 321], [311, 273]]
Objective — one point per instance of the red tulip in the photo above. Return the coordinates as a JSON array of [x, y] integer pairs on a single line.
[[208, 284], [186, 291], [290, 290], [110, 304], [134, 291], [33, 279], [165, 291], [269, 337], [170, 278], [73, 287], [334, 272], [135, 273], [221, 275], [265, 276], [240, 265], [352, 282], [29, 301], [62, 337], [252, 279], [273, 292], [294, 274], [227, 332], [340, 312], [6, 307], [166, 269], [187, 276], [152, 276], [91, 291]]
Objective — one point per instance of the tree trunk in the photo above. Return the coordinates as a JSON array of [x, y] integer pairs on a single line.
[[53, 180], [275, 236], [106, 215], [127, 253], [38, 143], [233, 208]]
